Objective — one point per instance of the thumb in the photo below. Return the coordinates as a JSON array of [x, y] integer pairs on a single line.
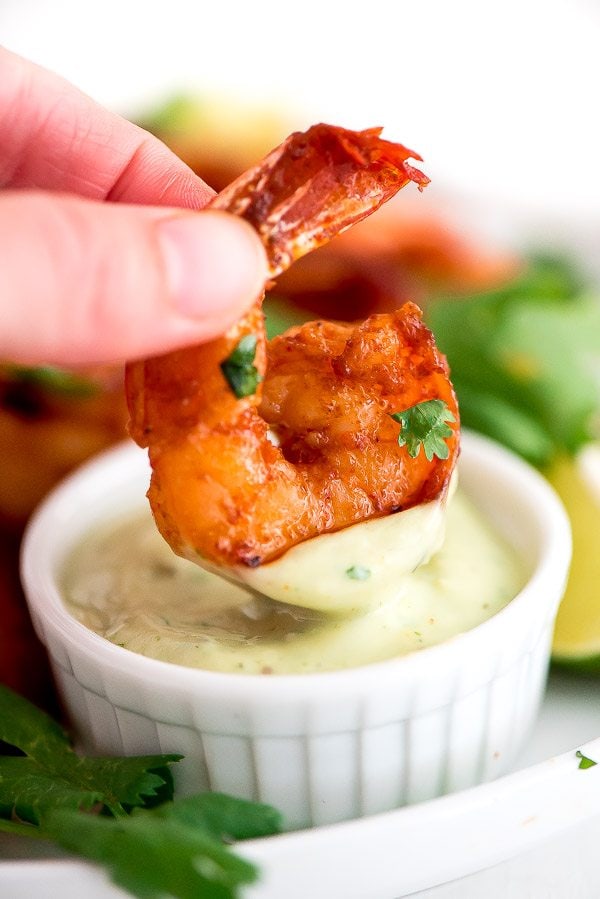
[[83, 282]]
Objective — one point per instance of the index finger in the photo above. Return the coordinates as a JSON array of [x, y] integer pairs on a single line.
[[54, 137]]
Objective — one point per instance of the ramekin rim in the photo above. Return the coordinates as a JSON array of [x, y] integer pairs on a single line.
[[553, 559]]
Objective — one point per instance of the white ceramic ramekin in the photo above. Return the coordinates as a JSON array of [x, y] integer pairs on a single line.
[[321, 747]]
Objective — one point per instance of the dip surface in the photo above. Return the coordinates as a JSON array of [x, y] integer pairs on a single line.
[[126, 584]]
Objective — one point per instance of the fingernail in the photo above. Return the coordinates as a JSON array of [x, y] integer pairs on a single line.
[[214, 263]]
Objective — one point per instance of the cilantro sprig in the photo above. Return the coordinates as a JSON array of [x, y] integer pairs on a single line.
[[177, 849], [239, 370], [525, 359], [46, 773], [425, 425], [120, 812]]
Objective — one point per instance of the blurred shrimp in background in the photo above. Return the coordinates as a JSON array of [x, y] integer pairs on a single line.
[[500, 99]]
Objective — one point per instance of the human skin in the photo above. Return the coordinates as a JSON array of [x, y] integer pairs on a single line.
[[104, 255]]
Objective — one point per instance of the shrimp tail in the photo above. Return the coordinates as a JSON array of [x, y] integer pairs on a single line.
[[315, 185]]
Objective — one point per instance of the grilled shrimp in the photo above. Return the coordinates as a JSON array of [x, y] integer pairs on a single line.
[[255, 447]]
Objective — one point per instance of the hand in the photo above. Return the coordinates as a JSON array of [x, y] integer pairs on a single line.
[[99, 262]]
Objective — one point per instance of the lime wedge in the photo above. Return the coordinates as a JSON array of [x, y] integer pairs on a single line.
[[577, 634]]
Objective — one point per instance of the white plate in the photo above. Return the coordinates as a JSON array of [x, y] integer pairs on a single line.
[[532, 834]]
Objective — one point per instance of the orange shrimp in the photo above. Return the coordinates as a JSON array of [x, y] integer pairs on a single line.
[[308, 444]]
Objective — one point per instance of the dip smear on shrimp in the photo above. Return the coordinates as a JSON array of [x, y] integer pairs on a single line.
[[255, 446]]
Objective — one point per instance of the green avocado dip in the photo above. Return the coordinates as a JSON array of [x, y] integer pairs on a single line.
[[125, 583]]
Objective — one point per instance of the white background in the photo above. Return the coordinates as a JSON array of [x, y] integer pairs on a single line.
[[500, 98]]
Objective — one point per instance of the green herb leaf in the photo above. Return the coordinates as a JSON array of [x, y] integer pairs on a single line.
[[424, 425], [281, 313], [525, 360], [173, 850], [239, 370], [502, 420], [45, 773], [53, 380], [584, 761], [225, 817], [358, 573]]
